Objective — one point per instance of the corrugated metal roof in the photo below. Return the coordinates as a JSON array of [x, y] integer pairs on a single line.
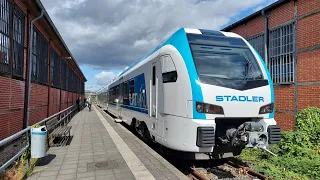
[[268, 8]]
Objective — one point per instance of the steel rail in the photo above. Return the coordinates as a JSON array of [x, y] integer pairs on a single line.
[[197, 175], [251, 172]]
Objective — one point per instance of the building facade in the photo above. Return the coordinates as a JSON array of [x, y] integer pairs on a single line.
[[286, 34], [56, 79]]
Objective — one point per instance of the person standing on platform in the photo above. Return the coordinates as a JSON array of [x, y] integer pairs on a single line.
[[89, 102]]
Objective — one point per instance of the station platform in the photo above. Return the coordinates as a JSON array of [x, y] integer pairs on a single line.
[[103, 149]]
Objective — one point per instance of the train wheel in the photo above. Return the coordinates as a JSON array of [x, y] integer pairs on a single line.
[[142, 129], [146, 134], [133, 125]]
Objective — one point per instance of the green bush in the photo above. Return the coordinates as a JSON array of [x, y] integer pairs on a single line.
[[308, 121], [298, 154]]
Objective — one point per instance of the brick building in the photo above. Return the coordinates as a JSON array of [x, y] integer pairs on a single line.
[[287, 36], [56, 79]]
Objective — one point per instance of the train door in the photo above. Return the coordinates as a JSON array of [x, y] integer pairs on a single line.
[[155, 86]]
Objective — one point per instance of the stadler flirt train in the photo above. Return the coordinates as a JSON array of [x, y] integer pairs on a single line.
[[204, 93]]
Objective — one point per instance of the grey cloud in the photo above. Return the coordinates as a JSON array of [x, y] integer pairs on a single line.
[[104, 78], [112, 34]]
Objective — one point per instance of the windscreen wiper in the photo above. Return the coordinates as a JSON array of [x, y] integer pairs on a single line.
[[249, 68]]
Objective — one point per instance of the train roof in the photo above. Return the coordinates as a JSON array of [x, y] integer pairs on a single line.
[[173, 37]]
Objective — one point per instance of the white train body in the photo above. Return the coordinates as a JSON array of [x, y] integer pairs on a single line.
[[195, 90]]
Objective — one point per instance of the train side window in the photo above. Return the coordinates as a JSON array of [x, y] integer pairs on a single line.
[[154, 75], [113, 94], [121, 93], [131, 86], [126, 94], [169, 77], [117, 93]]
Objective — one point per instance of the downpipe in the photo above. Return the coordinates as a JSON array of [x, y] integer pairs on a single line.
[[29, 76]]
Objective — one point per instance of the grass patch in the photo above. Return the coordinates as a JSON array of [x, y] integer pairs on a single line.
[[298, 152], [18, 170]]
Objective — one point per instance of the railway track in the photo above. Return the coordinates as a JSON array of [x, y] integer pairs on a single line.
[[226, 169]]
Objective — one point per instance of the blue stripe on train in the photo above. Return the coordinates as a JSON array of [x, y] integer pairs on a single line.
[[137, 109], [142, 110]]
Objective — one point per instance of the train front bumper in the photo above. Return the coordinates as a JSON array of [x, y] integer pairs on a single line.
[[198, 135]]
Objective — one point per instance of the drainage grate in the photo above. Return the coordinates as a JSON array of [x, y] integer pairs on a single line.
[[101, 164], [105, 165]]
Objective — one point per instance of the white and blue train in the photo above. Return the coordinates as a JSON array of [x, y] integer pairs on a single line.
[[204, 93]]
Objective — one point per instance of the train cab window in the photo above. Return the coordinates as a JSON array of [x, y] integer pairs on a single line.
[[169, 72], [169, 77], [225, 62], [154, 75]]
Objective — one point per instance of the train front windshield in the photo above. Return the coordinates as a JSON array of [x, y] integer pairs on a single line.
[[225, 61]]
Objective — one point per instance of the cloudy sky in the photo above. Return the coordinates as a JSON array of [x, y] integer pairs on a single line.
[[106, 36]]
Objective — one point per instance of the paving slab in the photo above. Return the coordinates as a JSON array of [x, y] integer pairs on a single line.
[[103, 149], [155, 163], [90, 144]]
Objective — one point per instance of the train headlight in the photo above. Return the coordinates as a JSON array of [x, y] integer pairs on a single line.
[[266, 109], [208, 108]]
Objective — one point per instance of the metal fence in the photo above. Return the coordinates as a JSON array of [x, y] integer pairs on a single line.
[[64, 117]]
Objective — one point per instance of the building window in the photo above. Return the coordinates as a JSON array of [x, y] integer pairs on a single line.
[[34, 57], [39, 71], [18, 39], [72, 82], [79, 86], [281, 59], [75, 82], [12, 22], [5, 17], [257, 42], [55, 69], [70, 74], [64, 75], [82, 87]]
